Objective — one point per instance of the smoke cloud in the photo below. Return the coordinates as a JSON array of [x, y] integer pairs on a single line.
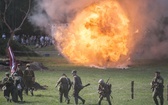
[[148, 22], [149, 27], [56, 11]]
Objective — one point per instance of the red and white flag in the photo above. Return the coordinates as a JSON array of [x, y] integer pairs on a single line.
[[12, 60]]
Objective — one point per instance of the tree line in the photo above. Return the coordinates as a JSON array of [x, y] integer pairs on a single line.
[[13, 17]]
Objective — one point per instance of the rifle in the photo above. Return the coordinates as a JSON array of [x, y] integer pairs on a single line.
[[86, 85], [81, 87], [106, 83], [107, 80], [154, 85]]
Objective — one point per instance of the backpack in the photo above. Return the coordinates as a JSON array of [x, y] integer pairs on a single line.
[[19, 87], [20, 84], [109, 88]]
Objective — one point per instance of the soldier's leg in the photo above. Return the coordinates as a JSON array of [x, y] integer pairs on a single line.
[[100, 99], [83, 101], [61, 94], [161, 98], [7, 94], [31, 91], [15, 94], [31, 87], [75, 94], [66, 97], [108, 99], [155, 97], [26, 88], [20, 95]]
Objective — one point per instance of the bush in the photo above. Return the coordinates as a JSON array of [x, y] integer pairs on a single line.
[[18, 49]]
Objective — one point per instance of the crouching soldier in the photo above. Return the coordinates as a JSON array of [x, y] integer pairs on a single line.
[[29, 79], [7, 86], [65, 86], [104, 90]]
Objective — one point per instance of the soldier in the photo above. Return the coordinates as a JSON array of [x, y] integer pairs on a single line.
[[104, 91], [29, 79], [65, 86], [157, 88], [77, 86], [7, 86], [19, 71], [19, 85]]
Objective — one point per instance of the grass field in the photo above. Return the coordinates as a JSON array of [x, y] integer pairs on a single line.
[[119, 78]]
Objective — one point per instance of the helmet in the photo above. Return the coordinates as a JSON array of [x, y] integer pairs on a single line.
[[28, 65], [74, 71], [101, 81], [7, 73], [64, 74], [157, 72], [15, 74]]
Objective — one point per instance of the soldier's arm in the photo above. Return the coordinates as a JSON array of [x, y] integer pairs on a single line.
[[75, 81], [80, 80], [99, 89], [24, 74], [33, 75], [58, 82], [70, 84], [69, 81], [162, 81], [153, 83], [3, 81]]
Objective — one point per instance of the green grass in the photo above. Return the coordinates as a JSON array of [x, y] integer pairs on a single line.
[[119, 78]]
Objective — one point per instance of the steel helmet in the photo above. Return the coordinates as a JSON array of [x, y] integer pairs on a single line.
[[101, 81], [28, 65]]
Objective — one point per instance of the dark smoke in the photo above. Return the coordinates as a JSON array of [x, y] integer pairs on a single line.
[[148, 22]]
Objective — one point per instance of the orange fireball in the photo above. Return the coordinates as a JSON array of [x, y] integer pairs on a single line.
[[97, 36]]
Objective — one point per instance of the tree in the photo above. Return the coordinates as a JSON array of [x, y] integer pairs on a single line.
[[13, 14]]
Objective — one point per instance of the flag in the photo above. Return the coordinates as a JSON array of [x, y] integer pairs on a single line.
[[12, 60]]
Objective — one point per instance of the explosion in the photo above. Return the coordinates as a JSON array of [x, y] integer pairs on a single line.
[[97, 36]]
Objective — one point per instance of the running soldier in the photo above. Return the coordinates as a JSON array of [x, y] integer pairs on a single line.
[[77, 86], [29, 79], [65, 86], [104, 90], [157, 88]]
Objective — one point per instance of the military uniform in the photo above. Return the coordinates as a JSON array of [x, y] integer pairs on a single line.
[[77, 86], [65, 86], [104, 91], [8, 86], [19, 85], [29, 78], [157, 88], [19, 71]]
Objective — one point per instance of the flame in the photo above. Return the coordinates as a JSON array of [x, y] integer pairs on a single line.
[[97, 36]]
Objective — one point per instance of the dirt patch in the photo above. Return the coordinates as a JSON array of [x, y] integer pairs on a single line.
[[37, 86], [4, 65], [37, 66]]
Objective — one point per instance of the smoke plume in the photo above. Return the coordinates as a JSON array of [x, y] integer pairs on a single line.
[[149, 27], [148, 22]]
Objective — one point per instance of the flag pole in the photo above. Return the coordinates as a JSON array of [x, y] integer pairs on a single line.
[[12, 60]]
